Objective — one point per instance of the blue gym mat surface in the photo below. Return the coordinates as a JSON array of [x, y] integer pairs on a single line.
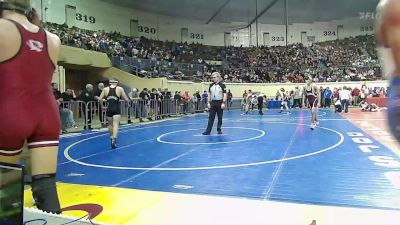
[[275, 157]]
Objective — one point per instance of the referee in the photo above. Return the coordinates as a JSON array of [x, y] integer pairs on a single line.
[[217, 103]]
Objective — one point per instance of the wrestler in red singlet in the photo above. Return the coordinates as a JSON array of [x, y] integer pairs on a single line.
[[28, 110], [312, 94]]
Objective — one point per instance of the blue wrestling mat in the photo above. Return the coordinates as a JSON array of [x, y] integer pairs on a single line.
[[274, 156]]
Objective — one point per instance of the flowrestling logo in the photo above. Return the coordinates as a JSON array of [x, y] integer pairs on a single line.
[[369, 15]]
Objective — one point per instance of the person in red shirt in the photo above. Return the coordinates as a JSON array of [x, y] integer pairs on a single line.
[[356, 94], [28, 58], [185, 99], [335, 94]]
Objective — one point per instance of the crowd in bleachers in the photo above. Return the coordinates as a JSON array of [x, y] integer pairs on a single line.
[[350, 59], [354, 51], [115, 44]]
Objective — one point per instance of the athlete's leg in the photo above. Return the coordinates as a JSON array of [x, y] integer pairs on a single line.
[[44, 160], [110, 125], [313, 117], [11, 159], [312, 126], [314, 114], [115, 121], [44, 166], [247, 108], [110, 120]]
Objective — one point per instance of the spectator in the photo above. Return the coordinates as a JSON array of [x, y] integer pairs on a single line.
[[133, 95], [178, 102], [67, 119], [328, 97], [229, 96], [88, 97], [101, 104], [297, 97], [204, 99], [345, 97], [185, 99], [356, 95], [143, 103]]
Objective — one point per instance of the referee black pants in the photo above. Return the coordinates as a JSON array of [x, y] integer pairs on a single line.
[[215, 109]]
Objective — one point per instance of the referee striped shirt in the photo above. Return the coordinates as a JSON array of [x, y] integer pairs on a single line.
[[217, 91]]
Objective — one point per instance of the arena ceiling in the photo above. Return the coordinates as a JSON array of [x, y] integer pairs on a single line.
[[268, 11]]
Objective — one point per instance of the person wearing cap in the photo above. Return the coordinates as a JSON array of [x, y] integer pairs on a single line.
[[112, 95], [388, 40], [217, 102], [28, 58]]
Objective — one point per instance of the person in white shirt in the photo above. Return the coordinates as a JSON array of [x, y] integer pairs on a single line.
[[284, 97], [193, 99], [338, 106], [297, 98], [345, 96]]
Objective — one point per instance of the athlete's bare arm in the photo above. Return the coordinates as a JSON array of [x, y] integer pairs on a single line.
[[53, 43], [316, 90], [123, 94], [10, 40], [103, 93]]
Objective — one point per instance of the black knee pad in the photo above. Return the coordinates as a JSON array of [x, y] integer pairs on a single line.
[[45, 193]]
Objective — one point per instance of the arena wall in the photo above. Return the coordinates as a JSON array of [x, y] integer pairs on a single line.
[[97, 15]]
